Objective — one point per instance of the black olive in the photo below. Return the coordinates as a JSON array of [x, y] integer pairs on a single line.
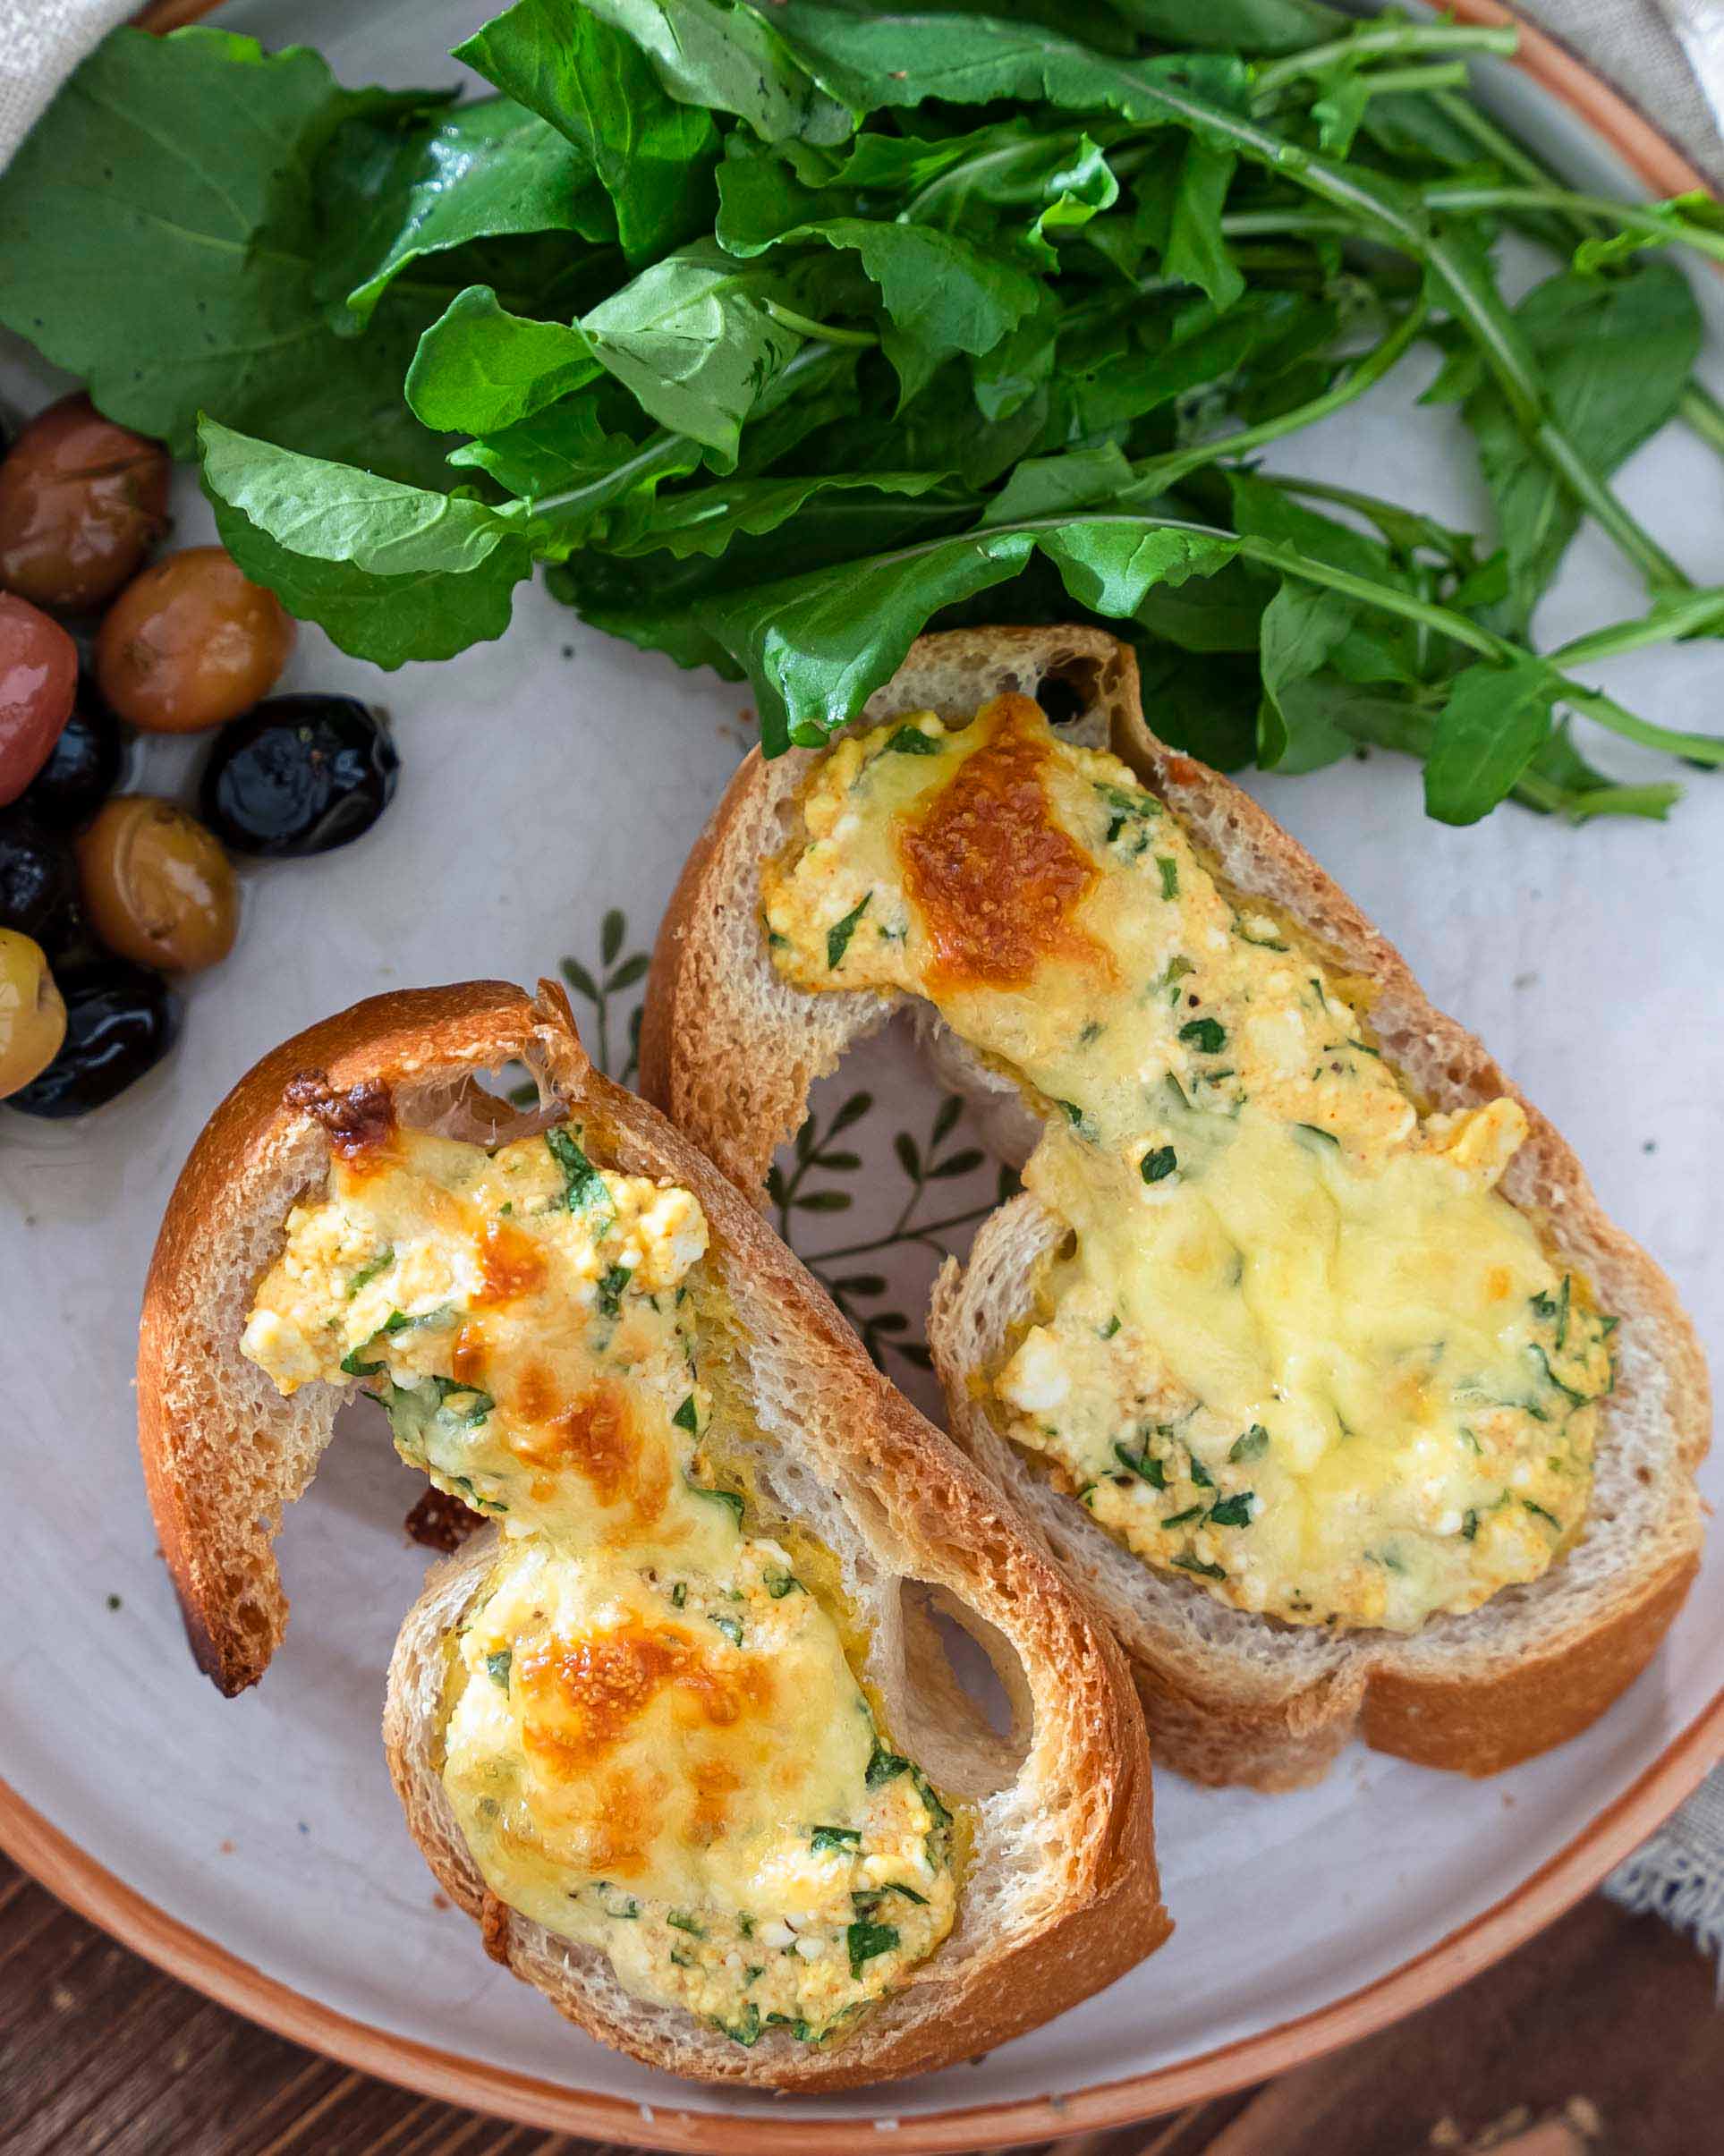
[[81, 769], [38, 879], [298, 775], [121, 1021]]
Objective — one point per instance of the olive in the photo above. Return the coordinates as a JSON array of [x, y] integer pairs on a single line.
[[158, 888], [121, 1021], [33, 1015], [82, 770], [39, 677], [81, 501], [38, 880], [190, 643], [300, 775]]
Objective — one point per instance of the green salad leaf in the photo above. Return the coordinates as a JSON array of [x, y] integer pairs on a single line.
[[774, 335]]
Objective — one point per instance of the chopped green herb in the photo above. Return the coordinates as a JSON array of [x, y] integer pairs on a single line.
[[1158, 1164], [1233, 1511], [732, 1628], [835, 1837], [1183, 1519], [1201, 1474], [448, 1390], [865, 1939], [1252, 1445], [679, 1920], [1549, 1517], [911, 741], [1207, 1035], [1144, 1464], [735, 1498], [870, 1897], [354, 1368], [1190, 1564], [497, 1667], [837, 936], [747, 2030], [1170, 868], [368, 1272], [679, 1594], [1470, 1524], [1111, 1327], [687, 1416], [1315, 1129], [1567, 1391], [884, 1766], [613, 1285], [1555, 1307], [582, 1184], [780, 1583]]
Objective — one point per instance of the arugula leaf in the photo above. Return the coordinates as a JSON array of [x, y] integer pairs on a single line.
[[218, 144], [1042, 486], [1301, 627], [652, 155], [479, 367], [1494, 723], [1245, 26], [486, 169], [871, 62], [695, 338], [1197, 250], [1614, 358], [941, 292], [706, 519], [730, 59], [391, 572]]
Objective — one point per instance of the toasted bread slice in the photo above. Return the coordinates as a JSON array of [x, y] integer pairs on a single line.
[[1060, 1894], [729, 1049]]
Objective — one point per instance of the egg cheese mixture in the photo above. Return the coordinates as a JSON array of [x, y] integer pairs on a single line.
[[1297, 1347], [655, 1744]]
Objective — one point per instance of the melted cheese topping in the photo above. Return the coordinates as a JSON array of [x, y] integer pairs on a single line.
[[654, 1742], [1298, 1348]]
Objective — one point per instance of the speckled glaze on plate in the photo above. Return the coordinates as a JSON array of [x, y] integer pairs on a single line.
[[552, 784]]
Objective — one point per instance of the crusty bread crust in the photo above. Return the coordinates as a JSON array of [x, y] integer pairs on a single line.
[[1060, 1895], [730, 1049]]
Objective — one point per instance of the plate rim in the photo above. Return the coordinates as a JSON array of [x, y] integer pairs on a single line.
[[61, 1865], [68, 1870]]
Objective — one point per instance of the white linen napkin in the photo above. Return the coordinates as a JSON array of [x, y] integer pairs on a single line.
[[1669, 57]]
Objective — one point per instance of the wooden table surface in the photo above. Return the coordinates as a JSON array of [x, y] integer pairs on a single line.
[[1603, 2037]]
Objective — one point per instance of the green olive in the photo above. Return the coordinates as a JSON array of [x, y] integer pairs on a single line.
[[158, 888], [32, 1017]]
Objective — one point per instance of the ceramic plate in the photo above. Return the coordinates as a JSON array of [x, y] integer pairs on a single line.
[[551, 785]]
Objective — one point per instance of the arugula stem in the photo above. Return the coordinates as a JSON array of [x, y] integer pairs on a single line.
[[1605, 711], [1387, 40], [1448, 74], [1634, 216], [1155, 475], [659, 451], [1703, 413], [1703, 609], [823, 331], [1661, 571]]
